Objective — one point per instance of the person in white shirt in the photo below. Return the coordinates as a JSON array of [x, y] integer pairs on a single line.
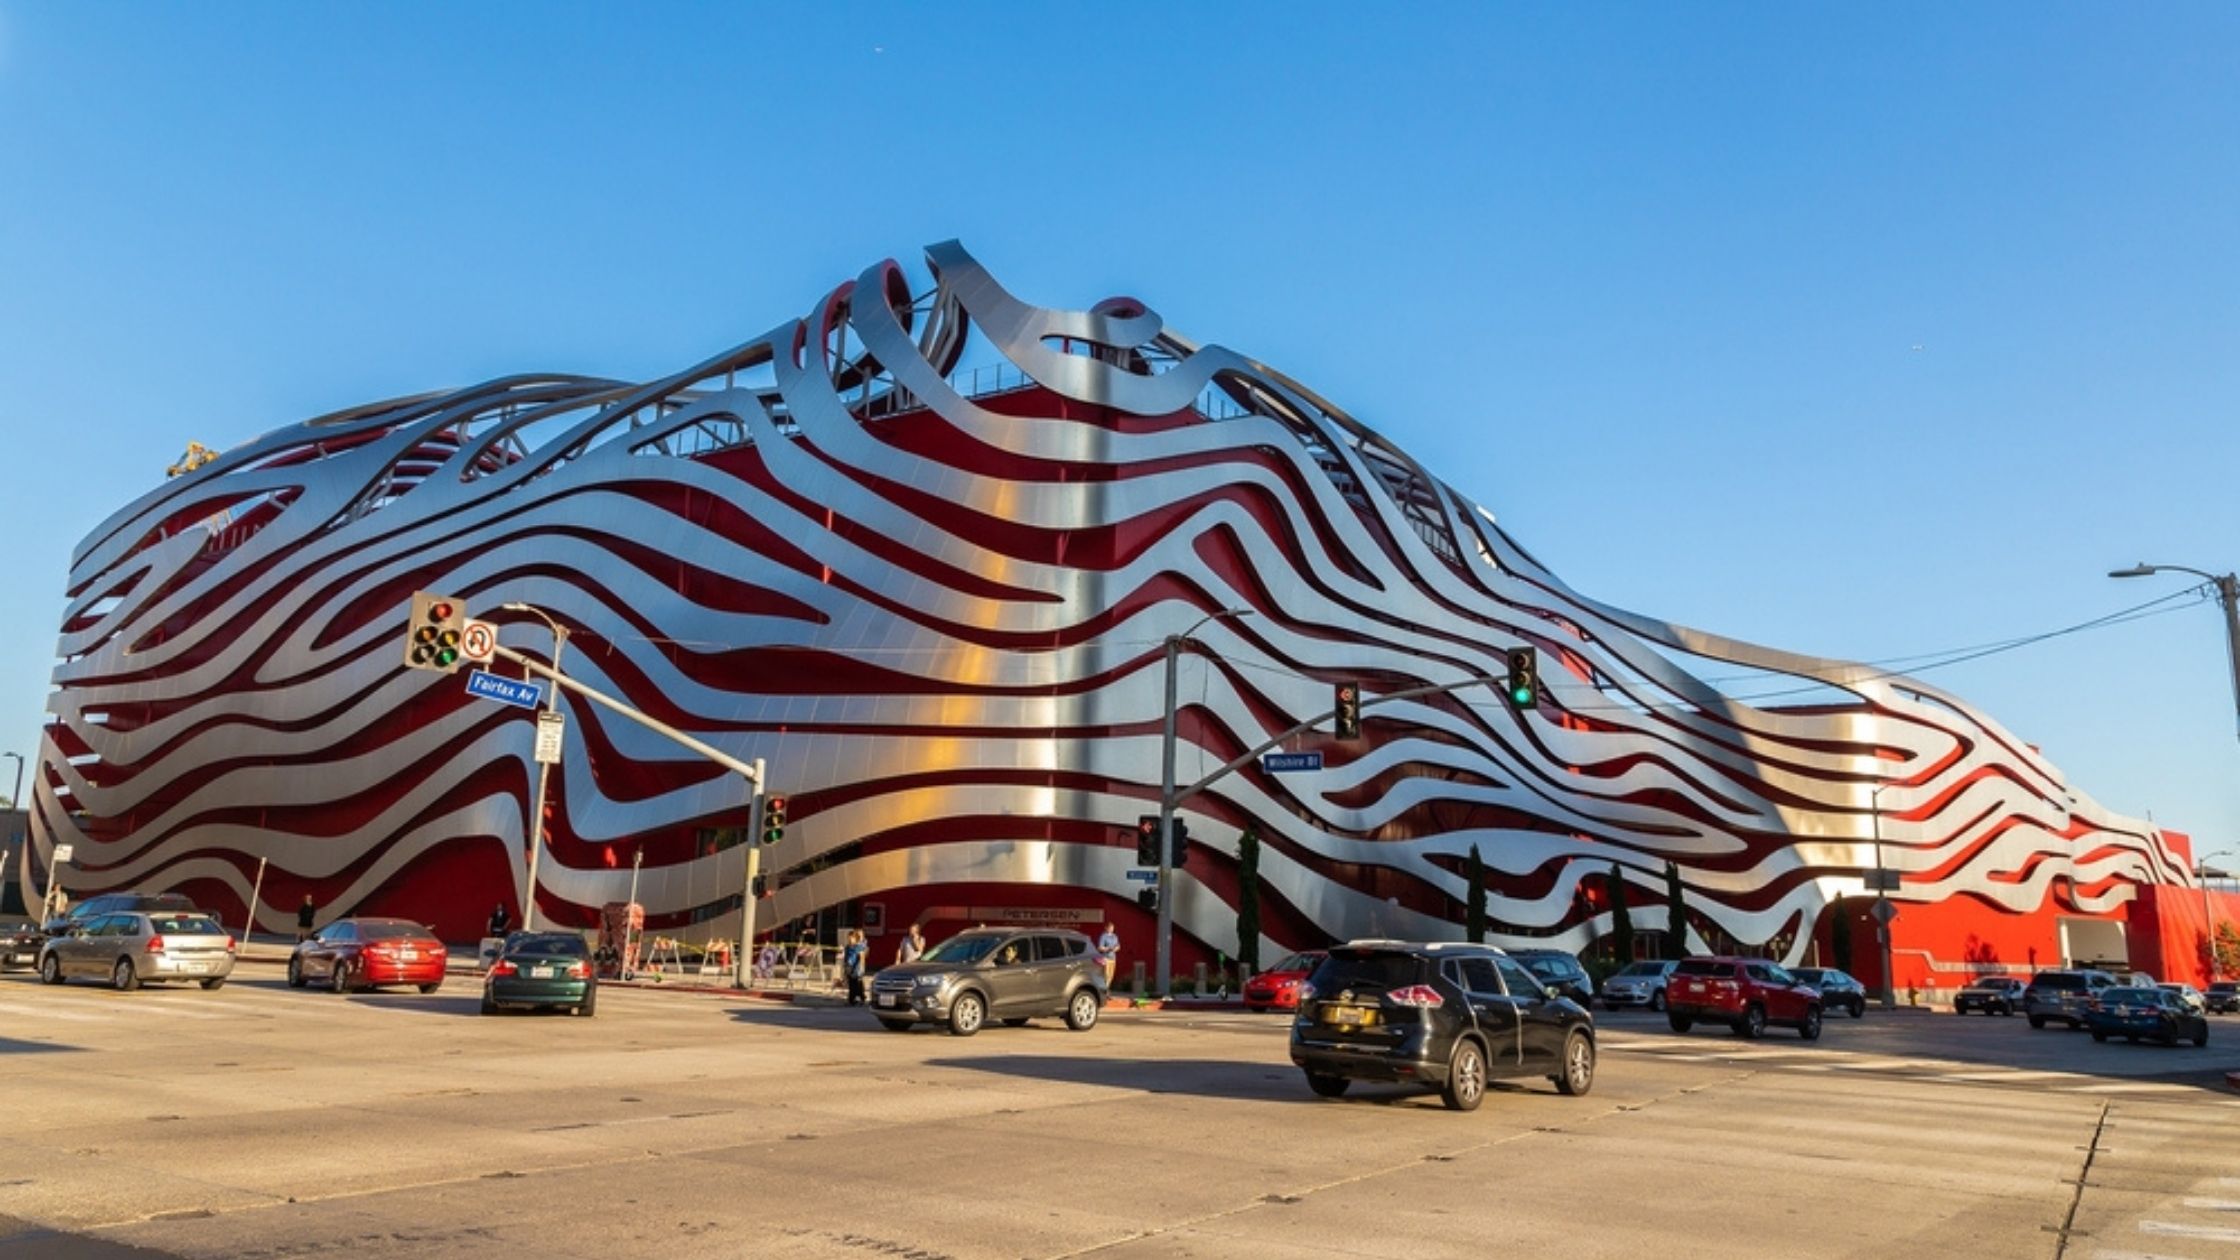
[[912, 946], [1108, 953]]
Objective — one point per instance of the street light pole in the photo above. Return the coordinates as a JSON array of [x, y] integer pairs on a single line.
[[2228, 594], [1164, 979], [536, 805], [15, 798], [1889, 993], [2209, 905]]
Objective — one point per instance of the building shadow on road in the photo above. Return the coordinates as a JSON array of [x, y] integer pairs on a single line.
[[1204, 1078], [432, 1003]]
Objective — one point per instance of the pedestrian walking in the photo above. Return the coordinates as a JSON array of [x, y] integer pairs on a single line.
[[1108, 953], [498, 919], [851, 966], [912, 948], [304, 914]]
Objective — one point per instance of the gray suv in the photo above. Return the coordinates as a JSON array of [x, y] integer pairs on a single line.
[[2063, 995], [1009, 974]]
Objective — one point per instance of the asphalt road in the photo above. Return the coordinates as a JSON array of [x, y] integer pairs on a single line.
[[259, 1122]]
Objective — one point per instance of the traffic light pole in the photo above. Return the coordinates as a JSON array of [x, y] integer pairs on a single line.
[[745, 968], [544, 772]]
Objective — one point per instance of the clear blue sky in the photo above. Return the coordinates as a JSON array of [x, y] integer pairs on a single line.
[[1864, 331]]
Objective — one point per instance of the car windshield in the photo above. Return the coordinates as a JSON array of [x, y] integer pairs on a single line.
[[395, 930], [1297, 962], [1703, 967], [2138, 997], [1643, 969], [961, 949], [560, 943], [184, 925], [1367, 972], [1542, 967]]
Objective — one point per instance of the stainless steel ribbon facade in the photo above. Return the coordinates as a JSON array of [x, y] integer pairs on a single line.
[[934, 600]]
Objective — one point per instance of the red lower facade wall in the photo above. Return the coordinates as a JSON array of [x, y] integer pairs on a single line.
[[2177, 924]]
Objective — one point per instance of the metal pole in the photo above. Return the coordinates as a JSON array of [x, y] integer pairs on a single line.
[[745, 968], [2228, 593], [536, 805], [256, 893], [46, 903], [716, 755], [2209, 907], [1889, 994], [1163, 981], [628, 964], [15, 798]]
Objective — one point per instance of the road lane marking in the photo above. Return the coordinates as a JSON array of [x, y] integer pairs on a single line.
[[2206, 1233]]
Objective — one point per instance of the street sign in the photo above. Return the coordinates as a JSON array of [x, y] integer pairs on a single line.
[[62, 853], [1884, 911], [478, 642], [1881, 881], [1148, 877], [489, 686], [550, 727], [1278, 763]]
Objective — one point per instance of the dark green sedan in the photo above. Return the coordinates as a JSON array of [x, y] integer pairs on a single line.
[[541, 969]]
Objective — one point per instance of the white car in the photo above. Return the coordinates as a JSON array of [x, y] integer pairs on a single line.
[[133, 949], [2192, 997], [1638, 984]]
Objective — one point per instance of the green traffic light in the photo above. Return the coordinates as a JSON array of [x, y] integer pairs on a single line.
[[1522, 695]]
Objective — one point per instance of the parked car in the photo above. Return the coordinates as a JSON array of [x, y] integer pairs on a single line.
[[2062, 995], [1559, 971], [20, 939], [541, 969], [133, 949], [2222, 997], [1010, 974], [1745, 994], [2133, 1012], [117, 903], [1993, 995], [1839, 990], [2187, 994], [368, 953], [1277, 988], [1444, 1016], [1637, 984]]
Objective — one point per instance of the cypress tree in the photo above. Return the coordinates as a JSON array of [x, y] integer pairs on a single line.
[[1475, 872], [1676, 913], [1248, 899], [1621, 919]]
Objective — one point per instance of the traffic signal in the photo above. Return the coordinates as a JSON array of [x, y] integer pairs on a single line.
[[1524, 677], [1147, 840], [431, 639], [773, 818], [1181, 844], [1149, 899], [1347, 702]]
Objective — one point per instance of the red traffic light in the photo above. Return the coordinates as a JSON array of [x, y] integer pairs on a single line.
[[439, 612]]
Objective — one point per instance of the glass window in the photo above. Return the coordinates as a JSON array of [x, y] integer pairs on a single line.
[[1015, 952], [1519, 982], [962, 949], [390, 930], [1050, 949], [1365, 972], [1703, 967], [1480, 976], [563, 944], [186, 925], [1779, 975], [339, 932], [1077, 946]]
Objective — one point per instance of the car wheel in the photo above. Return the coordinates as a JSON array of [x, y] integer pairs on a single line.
[[966, 1014], [894, 1025], [295, 972], [2201, 1035], [1810, 1028], [1752, 1025], [2097, 1035], [2037, 1021], [1679, 1023], [1327, 1086], [1577, 1076], [1466, 1078], [430, 988], [1858, 1008], [1656, 1000], [2005, 1009], [488, 1007], [1081, 1012], [338, 980], [1958, 1009], [1015, 1021], [217, 983], [50, 970], [124, 977], [590, 1004]]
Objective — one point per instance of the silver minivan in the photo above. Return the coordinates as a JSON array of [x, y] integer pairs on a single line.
[[129, 950]]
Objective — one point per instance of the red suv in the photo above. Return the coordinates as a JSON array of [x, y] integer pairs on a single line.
[[1745, 994]]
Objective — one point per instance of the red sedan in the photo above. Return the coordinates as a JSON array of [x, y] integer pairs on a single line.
[[368, 953], [1277, 989]]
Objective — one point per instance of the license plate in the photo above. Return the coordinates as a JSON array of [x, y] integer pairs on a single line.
[[540, 973], [409, 954], [1347, 1014], [889, 999], [194, 966]]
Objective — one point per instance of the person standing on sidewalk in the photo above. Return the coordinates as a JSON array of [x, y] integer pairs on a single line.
[[1108, 954], [851, 966], [912, 947], [304, 914], [498, 919]]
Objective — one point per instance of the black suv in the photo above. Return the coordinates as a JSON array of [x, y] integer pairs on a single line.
[[1445, 1016], [1559, 971], [121, 903], [2222, 996]]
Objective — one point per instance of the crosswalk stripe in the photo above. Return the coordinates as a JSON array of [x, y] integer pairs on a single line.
[[2206, 1233]]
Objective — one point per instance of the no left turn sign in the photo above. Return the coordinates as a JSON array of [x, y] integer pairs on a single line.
[[478, 642]]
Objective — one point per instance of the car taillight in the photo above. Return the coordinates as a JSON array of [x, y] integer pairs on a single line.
[[229, 944], [154, 945], [1420, 996], [502, 968], [579, 971], [1306, 991]]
